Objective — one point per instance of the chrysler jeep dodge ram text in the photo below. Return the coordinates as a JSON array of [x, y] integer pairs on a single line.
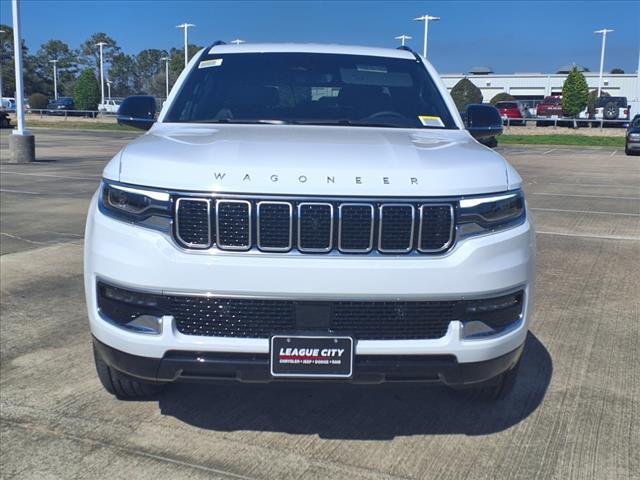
[[308, 212]]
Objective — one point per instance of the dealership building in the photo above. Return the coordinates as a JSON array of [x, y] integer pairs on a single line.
[[533, 87]]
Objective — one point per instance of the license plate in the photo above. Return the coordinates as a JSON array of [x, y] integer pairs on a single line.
[[311, 356]]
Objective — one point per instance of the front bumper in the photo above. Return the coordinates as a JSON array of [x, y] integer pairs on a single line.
[[148, 260], [187, 366]]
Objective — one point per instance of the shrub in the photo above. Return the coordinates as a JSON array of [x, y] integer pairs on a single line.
[[38, 101], [575, 93], [86, 93], [502, 97], [465, 93]]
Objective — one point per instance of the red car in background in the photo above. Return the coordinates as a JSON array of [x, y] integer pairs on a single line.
[[512, 111], [550, 107]]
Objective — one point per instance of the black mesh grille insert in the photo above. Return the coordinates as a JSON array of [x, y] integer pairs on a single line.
[[229, 317], [437, 223], [316, 220], [192, 226], [234, 224], [396, 224], [356, 227], [275, 225]]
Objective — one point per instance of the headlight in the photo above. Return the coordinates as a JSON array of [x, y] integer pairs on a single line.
[[489, 214], [150, 208], [634, 136]]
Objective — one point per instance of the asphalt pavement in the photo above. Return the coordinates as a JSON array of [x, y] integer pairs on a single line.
[[574, 413]]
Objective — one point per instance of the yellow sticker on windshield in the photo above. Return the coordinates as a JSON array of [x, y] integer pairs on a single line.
[[214, 62], [429, 121]]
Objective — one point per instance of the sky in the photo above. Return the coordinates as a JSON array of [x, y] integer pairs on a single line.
[[509, 36]]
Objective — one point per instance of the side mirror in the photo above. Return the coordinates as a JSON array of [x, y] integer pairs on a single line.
[[483, 121], [138, 111]]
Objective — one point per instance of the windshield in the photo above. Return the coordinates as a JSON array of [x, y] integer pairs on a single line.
[[310, 88]]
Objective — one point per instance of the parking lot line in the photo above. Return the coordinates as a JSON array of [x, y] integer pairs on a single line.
[[586, 235], [637, 187], [586, 196], [584, 211], [4, 172], [6, 190]]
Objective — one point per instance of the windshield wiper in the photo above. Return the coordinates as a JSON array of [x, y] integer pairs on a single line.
[[346, 122], [241, 121]]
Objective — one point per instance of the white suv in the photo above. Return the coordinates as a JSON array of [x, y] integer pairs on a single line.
[[308, 212]]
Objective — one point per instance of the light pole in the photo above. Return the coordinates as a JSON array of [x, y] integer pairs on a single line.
[[22, 144], [604, 32], [1, 51], [402, 38], [166, 75], [100, 45], [186, 26], [55, 78], [109, 82], [237, 41], [426, 19]]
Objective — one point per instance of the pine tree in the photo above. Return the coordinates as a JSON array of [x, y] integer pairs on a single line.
[[575, 94], [87, 91]]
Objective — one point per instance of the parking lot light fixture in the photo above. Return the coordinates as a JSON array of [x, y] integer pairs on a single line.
[[426, 19], [166, 75], [186, 27], [604, 32], [101, 45], [403, 38], [1, 32], [55, 78], [237, 41]]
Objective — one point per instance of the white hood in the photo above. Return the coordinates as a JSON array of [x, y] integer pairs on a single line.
[[311, 160]]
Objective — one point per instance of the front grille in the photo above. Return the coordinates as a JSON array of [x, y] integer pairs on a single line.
[[348, 227], [231, 317]]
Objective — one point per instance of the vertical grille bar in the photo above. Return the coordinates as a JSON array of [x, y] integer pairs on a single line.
[[436, 227], [274, 228], [233, 224], [397, 223], [315, 227], [193, 222], [355, 227]]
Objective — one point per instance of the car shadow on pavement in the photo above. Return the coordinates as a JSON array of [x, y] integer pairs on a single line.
[[352, 412]]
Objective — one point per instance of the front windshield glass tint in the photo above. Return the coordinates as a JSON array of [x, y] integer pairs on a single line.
[[310, 88]]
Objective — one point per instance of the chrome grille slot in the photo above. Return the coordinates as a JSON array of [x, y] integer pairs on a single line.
[[355, 227], [304, 225], [436, 227], [274, 226], [233, 222], [193, 222], [315, 227], [397, 223]]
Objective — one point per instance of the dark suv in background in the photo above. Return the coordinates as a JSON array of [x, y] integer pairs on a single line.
[[632, 142], [62, 106]]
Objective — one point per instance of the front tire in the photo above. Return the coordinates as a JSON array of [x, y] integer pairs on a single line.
[[121, 385], [493, 389]]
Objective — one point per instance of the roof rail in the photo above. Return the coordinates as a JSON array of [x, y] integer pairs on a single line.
[[409, 49]]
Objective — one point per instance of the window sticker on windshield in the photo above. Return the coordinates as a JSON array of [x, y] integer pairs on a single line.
[[372, 68], [429, 121], [214, 62]]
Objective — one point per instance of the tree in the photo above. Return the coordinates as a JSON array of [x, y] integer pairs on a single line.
[[122, 74], [148, 64], [575, 94], [502, 97], [87, 91], [617, 71], [38, 101], [465, 93], [7, 60], [67, 65], [89, 52]]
